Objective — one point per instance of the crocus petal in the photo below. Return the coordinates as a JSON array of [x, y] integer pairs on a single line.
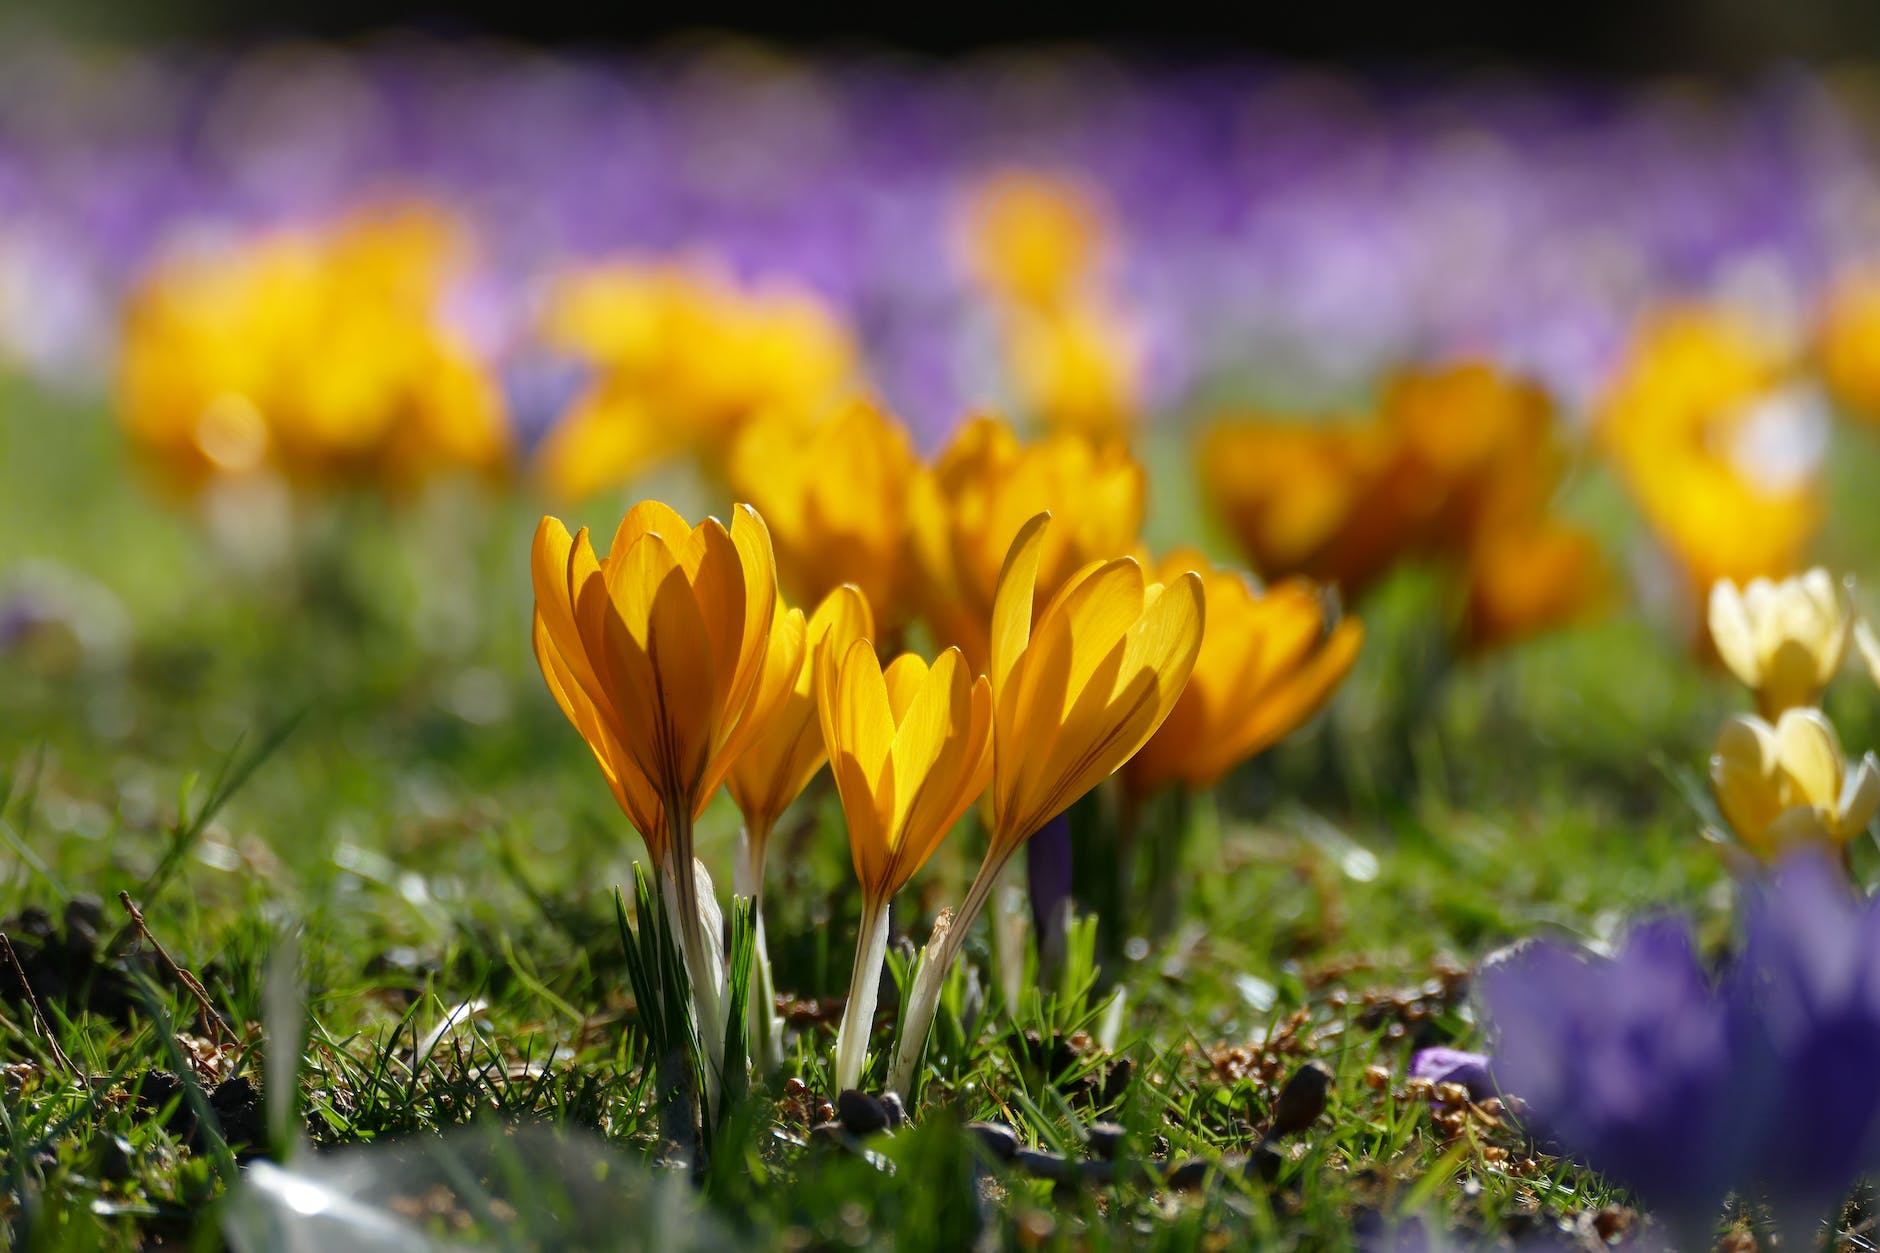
[[1011, 608], [658, 648], [1731, 632], [1809, 754], [1869, 645], [784, 659], [713, 567], [786, 749], [1861, 797], [759, 566]]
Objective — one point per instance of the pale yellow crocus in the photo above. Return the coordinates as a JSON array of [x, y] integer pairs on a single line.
[[1783, 639], [1788, 784], [1869, 646]]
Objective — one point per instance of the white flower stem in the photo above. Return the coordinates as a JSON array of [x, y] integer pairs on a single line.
[[708, 1016], [766, 1026], [858, 1017], [936, 960]]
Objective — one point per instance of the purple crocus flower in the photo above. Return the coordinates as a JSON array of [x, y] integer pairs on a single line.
[[1804, 1003], [1765, 1080], [1444, 1065], [1625, 1063]]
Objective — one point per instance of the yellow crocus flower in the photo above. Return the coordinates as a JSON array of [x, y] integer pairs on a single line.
[[1457, 460], [788, 749], [910, 750], [1032, 237], [1847, 342], [1784, 640], [1711, 434], [968, 507], [1078, 687], [835, 494], [683, 358], [1269, 660], [1304, 498], [1076, 366], [1789, 784], [773, 772], [668, 655], [1529, 577], [318, 355]]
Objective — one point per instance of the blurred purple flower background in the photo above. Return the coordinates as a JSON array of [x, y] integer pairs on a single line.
[[1293, 227]]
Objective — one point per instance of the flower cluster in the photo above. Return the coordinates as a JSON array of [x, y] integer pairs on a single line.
[[683, 667], [321, 357], [1459, 465], [681, 358], [1781, 778]]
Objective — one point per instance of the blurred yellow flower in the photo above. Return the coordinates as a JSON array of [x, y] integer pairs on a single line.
[[1303, 498], [682, 359], [788, 749], [1783, 640], [1078, 687], [1789, 784], [1036, 245], [835, 493], [1032, 238], [1847, 344], [1529, 578], [1269, 660], [967, 508], [669, 656], [910, 750], [320, 355], [1459, 467], [1076, 367], [1717, 444]]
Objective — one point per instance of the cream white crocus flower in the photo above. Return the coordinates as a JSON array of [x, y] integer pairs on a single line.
[[1789, 784], [1784, 639], [1869, 646]]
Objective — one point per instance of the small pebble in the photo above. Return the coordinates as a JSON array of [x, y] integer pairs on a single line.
[[1106, 1138], [828, 1135], [1302, 1100], [1613, 1222], [1042, 1165], [1116, 1083], [1265, 1163], [996, 1138], [860, 1113], [1190, 1174]]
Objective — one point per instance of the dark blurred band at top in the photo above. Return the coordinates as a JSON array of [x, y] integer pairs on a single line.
[[1647, 36]]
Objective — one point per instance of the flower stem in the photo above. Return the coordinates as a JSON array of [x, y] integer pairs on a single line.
[[858, 1017], [766, 1027], [923, 999], [708, 1010]]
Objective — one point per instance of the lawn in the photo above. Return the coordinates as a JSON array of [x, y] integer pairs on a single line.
[[325, 771]]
